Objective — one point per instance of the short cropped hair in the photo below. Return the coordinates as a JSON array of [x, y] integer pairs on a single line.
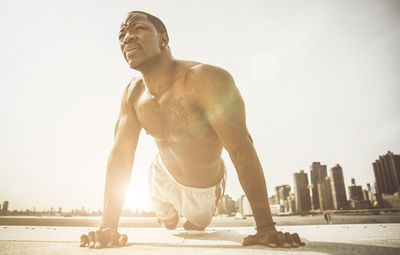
[[157, 23]]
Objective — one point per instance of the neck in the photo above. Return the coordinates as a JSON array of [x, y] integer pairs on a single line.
[[159, 76]]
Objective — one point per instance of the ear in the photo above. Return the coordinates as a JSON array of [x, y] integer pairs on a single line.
[[164, 39]]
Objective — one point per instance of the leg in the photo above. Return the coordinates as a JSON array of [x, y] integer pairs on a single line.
[[201, 205], [167, 215]]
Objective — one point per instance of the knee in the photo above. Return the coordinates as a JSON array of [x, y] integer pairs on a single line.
[[201, 221], [171, 224]]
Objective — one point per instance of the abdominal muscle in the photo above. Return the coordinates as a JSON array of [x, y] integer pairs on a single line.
[[193, 163]]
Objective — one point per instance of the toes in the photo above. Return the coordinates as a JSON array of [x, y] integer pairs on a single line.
[[290, 240], [99, 239], [281, 240], [84, 240], [297, 239]]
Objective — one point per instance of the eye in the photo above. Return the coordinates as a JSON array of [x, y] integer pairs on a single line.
[[121, 36], [138, 27]]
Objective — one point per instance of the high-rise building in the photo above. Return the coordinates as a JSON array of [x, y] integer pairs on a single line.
[[301, 192], [226, 205], [4, 210], [243, 206], [387, 175], [355, 192], [273, 200], [338, 188], [357, 197], [325, 194], [290, 204], [282, 193], [318, 173]]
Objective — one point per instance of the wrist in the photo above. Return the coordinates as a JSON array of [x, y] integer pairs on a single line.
[[108, 225], [266, 227]]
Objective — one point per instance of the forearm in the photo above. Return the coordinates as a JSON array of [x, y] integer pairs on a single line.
[[252, 179], [118, 175]]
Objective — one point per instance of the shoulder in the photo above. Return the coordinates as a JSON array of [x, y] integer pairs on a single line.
[[208, 75], [207, 82], [134, 90]]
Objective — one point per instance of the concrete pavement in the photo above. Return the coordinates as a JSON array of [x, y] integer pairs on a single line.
[[320, 239], [216, 221]]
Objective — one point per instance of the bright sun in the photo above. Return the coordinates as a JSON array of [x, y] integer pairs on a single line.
[[138, 196]]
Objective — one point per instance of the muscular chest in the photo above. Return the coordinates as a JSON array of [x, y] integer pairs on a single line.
[[173, 116]]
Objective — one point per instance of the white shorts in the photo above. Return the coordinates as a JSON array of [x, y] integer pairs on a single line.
[[171, 199]]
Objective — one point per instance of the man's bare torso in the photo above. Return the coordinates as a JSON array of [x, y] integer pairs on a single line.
[[187, 143]]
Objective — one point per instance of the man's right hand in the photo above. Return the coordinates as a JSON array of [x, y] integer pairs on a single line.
[[103, 238], [274, 239]]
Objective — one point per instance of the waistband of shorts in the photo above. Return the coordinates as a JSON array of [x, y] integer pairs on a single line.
[[165, 169]]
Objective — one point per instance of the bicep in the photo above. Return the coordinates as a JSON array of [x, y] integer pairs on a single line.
[[228, 119], [127, 128], [224, 108]]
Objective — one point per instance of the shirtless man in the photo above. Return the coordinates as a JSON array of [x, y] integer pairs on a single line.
[[192, 110]]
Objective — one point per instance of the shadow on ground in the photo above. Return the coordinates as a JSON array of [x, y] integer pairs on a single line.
[[311, 246]]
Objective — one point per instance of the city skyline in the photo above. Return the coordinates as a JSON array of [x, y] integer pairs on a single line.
[[277, 190], [319, 79]]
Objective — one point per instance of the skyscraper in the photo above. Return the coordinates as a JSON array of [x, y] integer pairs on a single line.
[[4, 210], [356, 197], [301, 192], [355, 192], [338, 188], [282, 193], [325, 194], [226, 205], [243, 206], [387, 175], [318, 173]]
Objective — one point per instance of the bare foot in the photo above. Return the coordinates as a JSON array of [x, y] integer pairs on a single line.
[[188, 225]]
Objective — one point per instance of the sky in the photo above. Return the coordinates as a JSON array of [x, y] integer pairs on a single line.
[[320, 80]]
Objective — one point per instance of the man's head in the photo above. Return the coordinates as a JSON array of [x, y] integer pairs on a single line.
[[157, 23], [142, 38]]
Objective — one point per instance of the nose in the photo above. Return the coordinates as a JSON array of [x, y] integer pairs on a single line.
[[129, 37]]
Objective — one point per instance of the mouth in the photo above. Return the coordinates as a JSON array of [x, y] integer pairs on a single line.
[[130, 50]]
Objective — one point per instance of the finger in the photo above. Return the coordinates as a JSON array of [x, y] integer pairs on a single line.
[[122, 240], [116, 237], [297, 239], [91, 236], [259, 239], [290, 240], [250, 240], [99, 239], [108, 237], [84, 240], [281, 240], [269, 239]]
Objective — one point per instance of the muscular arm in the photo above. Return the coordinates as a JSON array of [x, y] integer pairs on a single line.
[[216, 95], [120, 162]]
